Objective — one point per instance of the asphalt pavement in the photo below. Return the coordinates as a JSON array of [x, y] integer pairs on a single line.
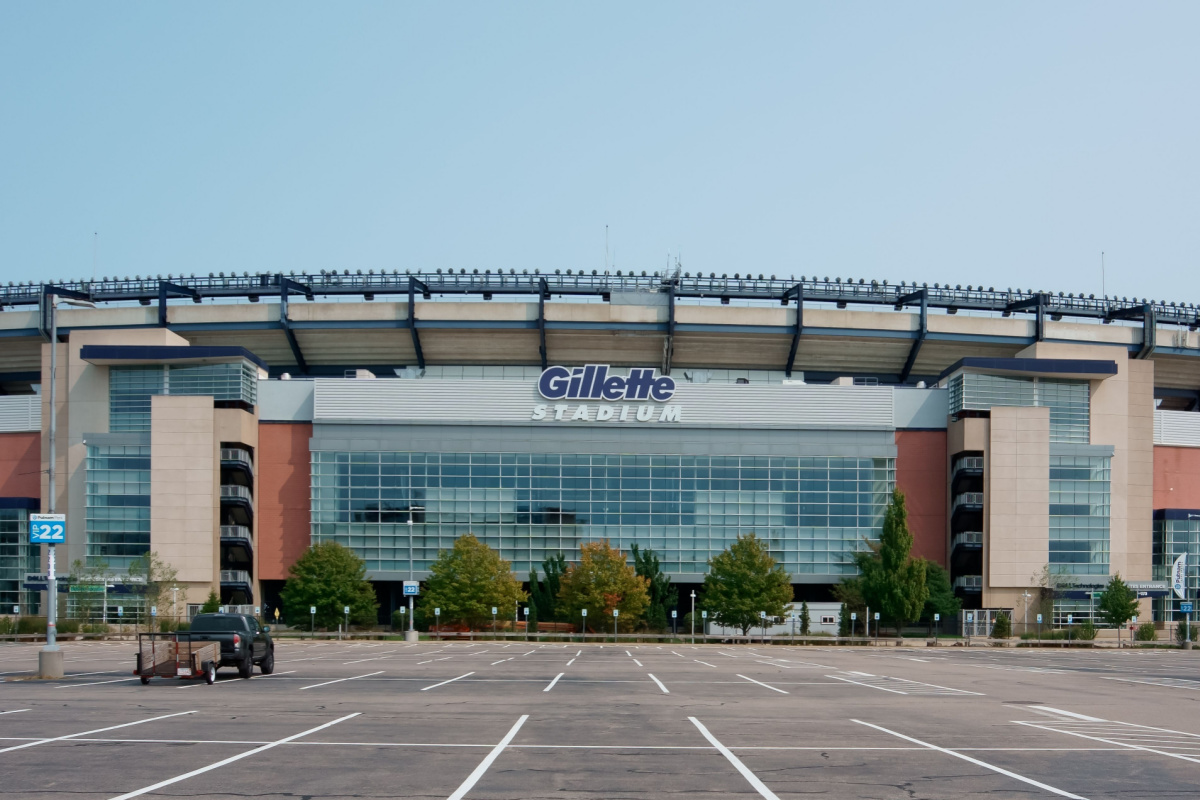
[[516, 720]]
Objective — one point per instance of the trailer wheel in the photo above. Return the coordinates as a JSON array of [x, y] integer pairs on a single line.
[[145, 679], [210, 673]]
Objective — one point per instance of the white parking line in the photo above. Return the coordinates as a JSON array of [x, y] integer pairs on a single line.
[[340, 680], [975, 761], [443, 683], [705, 663], [660, 684], [637, 662], [750, 777], [229, 760], [477, 773], [194, 684], [556, 677], [760, 683], [14, 711], [94, 683], [1072, 714], [88, 733], [868, 685], [1116, 741]]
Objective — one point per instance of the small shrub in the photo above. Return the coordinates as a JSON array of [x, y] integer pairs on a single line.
[[67, 625], [1146, 633], [32, 625], [1086, 632], [7, 625], [1181, 633], [1002, 628]]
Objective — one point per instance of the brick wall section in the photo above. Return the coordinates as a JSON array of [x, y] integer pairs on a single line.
[[1176, 477], [921, 475], [20, 464], [283, 497]]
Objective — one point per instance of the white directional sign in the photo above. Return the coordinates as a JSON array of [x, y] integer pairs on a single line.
[[616, 612], [937, 617], [312, 609], [345, 609], [493, 611], [47, 528], [674, 614]]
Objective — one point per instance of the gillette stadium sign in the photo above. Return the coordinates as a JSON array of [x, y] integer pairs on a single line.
[[598, 395]]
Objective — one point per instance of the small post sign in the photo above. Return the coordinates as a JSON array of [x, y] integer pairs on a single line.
[[1185, 608], [412, 588], [47, 528]]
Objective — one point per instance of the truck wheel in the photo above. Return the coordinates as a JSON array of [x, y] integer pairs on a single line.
[[267, 665], [145, 679], [246, 668], [210, 674]]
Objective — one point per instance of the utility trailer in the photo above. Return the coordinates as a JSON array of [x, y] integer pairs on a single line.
[[175, 655]]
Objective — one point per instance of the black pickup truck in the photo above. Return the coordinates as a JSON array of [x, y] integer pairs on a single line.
[[244, 642]]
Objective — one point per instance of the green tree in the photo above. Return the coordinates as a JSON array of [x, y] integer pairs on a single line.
[[849, 594], [805, 619], [743, 581], [531, 621], [893, 582], [941, 599], [1002, 627], [330, 577], [663, 596], [88, 605], [844, 621], [544, 594], [213, 604], [468, 581], [1118, 604], [158, 577], [600, 582]]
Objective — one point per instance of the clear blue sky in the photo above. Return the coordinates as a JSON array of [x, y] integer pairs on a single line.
[[1002, 144]]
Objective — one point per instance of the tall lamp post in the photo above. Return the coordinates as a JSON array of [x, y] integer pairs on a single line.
[[693, 616], [412, 619], [50, 660], [1026, 595]]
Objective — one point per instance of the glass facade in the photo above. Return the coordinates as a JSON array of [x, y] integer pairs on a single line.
[[17, 556], [118, 504], [1173, 538], [130, 388], [814, 512], [1079, 512], [1068, 401]]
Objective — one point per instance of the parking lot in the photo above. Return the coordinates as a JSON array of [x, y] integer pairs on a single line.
[[518, 720]]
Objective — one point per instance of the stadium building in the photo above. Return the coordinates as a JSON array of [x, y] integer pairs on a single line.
[[228, 422]]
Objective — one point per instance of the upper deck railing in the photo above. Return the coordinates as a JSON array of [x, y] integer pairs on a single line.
[[489, 283]]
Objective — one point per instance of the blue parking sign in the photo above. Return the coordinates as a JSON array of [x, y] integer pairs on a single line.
[[1185, 608], [47, 528]]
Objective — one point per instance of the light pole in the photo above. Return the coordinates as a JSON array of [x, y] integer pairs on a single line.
[[174, 601], [693, 616], [616, 613], [412, 618], [50, 660], [1025, 624]]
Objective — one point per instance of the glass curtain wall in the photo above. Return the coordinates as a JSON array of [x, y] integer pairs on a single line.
[[130, 388], [814, 512], [1173, 538], [17, 557], [118, 505], [1067, 400], [1079, 514]]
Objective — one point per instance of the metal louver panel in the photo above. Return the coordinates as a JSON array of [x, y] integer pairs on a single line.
[[467, 402], [21, 413], [1177, 427]]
